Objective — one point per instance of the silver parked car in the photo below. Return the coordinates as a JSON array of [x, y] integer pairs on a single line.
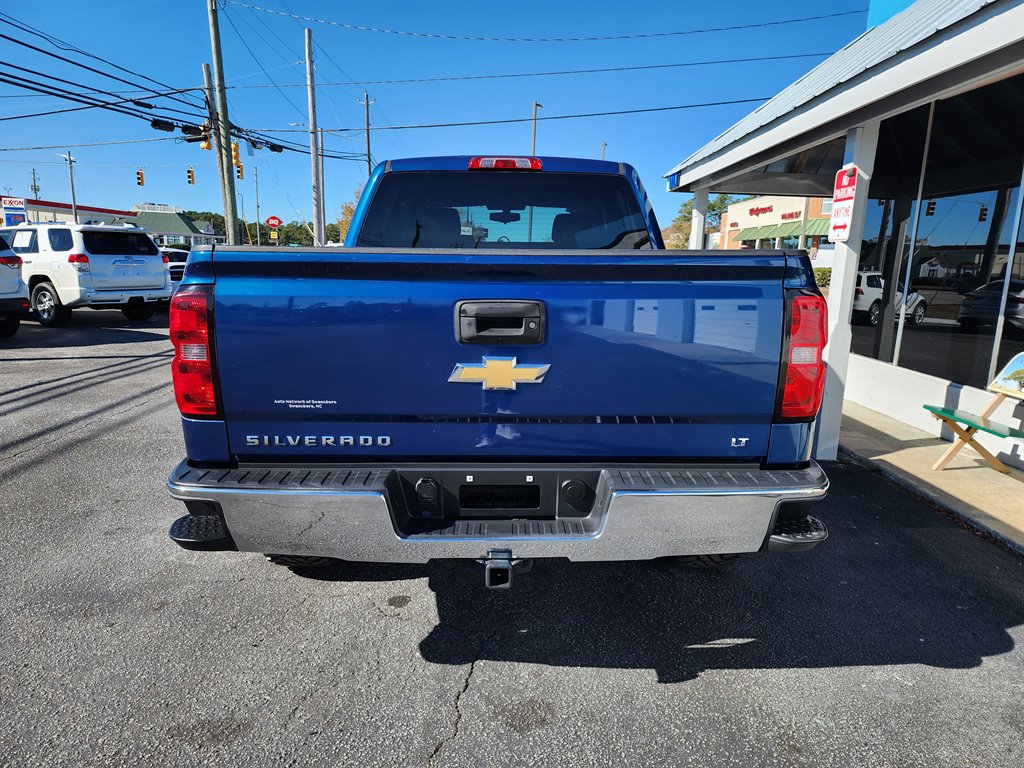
[[981, 306]]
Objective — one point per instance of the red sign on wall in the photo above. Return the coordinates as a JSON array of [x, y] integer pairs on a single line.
[[843, 194]]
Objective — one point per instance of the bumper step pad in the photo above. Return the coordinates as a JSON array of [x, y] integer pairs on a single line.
[[201, 532], [797, 534]]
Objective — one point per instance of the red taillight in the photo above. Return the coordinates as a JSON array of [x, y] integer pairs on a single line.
[[79, 261], [192, 367], [164, 257], [860, 292], [506, 164], [11, 261], [804, 368]]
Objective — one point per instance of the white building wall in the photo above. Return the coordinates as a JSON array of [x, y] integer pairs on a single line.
[[900, 394]]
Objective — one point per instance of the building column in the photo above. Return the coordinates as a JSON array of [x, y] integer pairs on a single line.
[[861, 144], [699, 218], [802, 242]]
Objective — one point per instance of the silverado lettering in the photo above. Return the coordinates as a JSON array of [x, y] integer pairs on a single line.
[[363, 441]]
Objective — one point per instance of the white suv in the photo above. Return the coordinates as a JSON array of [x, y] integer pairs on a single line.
[[13, 292], [867, 300], [89, 265]]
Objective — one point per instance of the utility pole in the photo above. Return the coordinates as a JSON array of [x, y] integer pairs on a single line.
[[222, 127], [604, 145], [323, 184], [366, 104], [219, 151], [314, 146], [71, 178], [533, 151], [256, 180], [533, 139], [35, 185]]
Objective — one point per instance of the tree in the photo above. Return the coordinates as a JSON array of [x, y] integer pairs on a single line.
[[677, 234], [1017, 377], [347, 212]]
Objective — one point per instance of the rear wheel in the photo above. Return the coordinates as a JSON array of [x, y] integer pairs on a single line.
[[703, 561], [9, 326], [917, 317], [875, 313], [299, 561], [47, 307], [138, 313]]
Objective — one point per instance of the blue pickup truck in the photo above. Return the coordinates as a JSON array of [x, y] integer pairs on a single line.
[[503, 363]]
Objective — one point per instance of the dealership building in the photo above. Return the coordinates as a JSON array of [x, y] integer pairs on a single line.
[[928, 107]]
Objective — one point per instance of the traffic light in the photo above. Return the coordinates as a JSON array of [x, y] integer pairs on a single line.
[[929, 209], [191, 175], [206, 144], [140, 178], [983, 213], [240, 171], [235, 158]]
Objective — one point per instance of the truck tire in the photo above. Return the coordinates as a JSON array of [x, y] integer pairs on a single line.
[[138, 313], [703, 561], [9, 326], [46, 306], [299, 561]]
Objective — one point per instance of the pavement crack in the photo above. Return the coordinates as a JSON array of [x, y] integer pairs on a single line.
[[457, 703]]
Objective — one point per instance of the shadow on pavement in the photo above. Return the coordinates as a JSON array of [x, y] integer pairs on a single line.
[[88, 328], [896, 583]]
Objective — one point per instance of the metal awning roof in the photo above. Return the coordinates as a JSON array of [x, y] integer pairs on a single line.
[[756, 233], [928, 50], [817, 227]]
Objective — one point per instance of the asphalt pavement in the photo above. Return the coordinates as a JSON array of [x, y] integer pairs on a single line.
[[895, 643]]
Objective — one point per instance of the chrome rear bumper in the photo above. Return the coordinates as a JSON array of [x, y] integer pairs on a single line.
[[637, 513]]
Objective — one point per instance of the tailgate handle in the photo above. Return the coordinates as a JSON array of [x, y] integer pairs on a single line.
[[500, 322]]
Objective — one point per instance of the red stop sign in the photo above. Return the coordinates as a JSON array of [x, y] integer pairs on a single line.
[[273, 222]]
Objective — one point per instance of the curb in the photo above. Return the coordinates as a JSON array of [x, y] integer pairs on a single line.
[[933, 499]]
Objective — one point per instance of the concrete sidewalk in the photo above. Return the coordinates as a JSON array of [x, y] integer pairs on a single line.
[[968, 487]]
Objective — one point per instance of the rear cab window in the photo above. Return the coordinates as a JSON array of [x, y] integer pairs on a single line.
[[118, 243], [496, 209]]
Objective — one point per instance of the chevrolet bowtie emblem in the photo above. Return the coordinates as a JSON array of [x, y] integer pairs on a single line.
[[498, 373]]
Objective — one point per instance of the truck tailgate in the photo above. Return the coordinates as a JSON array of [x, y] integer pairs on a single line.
[[354, 354]]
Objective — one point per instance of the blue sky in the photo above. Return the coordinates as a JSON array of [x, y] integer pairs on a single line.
[[169, 41]]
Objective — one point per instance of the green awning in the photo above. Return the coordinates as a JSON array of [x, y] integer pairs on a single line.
[[817, 227], [756, 233], [789, 229]]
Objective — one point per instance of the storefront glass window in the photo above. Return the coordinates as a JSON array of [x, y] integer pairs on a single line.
[[964, 223]]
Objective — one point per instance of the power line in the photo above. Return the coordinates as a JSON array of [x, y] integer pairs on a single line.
[[90, 144], [68, 96], [530, 119], [136, 102], [260, 65], [636, 36], [500, 76], [65, 46]]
